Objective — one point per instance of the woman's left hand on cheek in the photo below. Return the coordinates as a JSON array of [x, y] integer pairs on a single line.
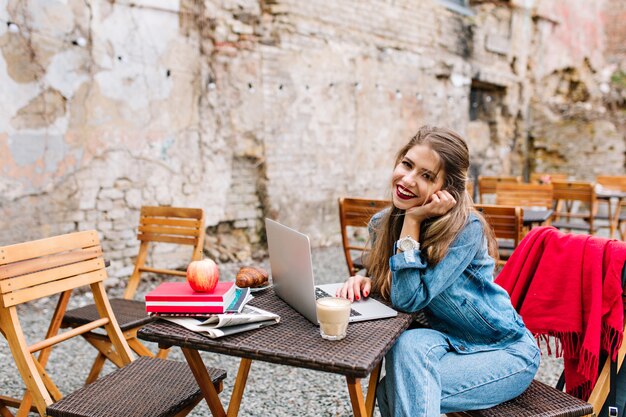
[[442, 202], [439, 204]]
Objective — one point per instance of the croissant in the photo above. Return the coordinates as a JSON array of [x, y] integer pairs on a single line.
[[250, 276]]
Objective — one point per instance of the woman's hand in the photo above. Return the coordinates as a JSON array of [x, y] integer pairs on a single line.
[[437, 205], [355, 288]]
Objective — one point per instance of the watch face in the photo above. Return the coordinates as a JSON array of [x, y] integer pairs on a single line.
[[407, 244]]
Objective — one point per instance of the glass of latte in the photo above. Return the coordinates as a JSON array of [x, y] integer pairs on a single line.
[[333, 314]]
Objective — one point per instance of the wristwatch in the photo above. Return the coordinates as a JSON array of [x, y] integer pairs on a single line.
[[407, 243]]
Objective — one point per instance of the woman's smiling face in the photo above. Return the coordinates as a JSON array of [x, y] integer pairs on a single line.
[[418, 176]]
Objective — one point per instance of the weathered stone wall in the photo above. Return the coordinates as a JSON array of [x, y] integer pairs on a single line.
[[572, 127], [252, 108], [134, 116], [351, 84]]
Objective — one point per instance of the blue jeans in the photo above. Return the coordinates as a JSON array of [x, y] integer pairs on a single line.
[[426, 377]]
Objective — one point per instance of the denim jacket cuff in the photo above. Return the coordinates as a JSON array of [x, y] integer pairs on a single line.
[[408, 259]]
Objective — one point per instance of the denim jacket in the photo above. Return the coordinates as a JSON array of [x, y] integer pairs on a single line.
[[458, 294]]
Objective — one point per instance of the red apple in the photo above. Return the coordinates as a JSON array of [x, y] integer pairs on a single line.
[[203, 275]]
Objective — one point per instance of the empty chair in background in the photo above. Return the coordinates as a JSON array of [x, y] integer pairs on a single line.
[[575, 206], [487, 186], [157, 225], [528, 196], [611, 196]]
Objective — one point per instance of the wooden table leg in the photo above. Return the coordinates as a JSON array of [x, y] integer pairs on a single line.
[[204, 381], [611, 218], [361, 407], [240, 385], [370, 400], [356, 397], [616, 215]]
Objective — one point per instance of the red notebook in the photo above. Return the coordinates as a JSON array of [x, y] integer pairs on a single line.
[[179, 297]]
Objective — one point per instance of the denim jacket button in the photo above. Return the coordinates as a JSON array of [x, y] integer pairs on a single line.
[[462, 348]]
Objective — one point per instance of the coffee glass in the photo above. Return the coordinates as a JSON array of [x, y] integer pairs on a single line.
[[333, 314]]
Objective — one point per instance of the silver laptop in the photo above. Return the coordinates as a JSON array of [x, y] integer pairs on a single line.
[[292, 276]]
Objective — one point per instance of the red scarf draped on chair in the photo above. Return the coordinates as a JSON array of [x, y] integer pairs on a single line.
[[569, 286]]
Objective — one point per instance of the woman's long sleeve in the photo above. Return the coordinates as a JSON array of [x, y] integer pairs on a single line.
[[414, 284]]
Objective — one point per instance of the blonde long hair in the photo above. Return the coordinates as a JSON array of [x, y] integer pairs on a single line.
[[436, 234]]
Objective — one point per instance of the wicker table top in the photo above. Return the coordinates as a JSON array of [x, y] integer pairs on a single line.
[[294, 341]]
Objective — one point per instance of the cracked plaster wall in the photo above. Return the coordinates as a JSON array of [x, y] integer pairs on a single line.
[[249, 108], [577, 119]]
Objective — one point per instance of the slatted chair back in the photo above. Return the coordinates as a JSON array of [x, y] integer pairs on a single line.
[[612, 182], [575, 205], [163, 224], [524, 195], [507, 224], [541, 177], [43, 268], [354, 216], [487, 184]]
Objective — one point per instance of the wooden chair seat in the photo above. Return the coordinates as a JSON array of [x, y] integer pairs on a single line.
[[539, 400], [147, 387], [604, 216], [129, 314]]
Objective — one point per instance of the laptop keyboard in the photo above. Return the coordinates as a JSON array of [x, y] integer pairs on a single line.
[[320, 293]]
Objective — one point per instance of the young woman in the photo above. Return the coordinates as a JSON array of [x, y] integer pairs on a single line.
[[432, 251]]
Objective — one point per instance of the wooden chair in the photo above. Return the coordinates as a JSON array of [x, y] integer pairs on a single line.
[[487, 184], [524, 195], [171, 225], [602, 388], [541, 400], [527, 196], [538, 177], [354, 216], [55, 266], [507, 224], [575, 205], [615, 216]]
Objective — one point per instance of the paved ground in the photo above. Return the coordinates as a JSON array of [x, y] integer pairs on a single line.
[[271, 390]]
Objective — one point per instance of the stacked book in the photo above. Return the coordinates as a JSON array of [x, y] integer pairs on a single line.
[[180, 298], [218, 313]]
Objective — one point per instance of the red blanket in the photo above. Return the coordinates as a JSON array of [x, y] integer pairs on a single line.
[[569, 286]]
